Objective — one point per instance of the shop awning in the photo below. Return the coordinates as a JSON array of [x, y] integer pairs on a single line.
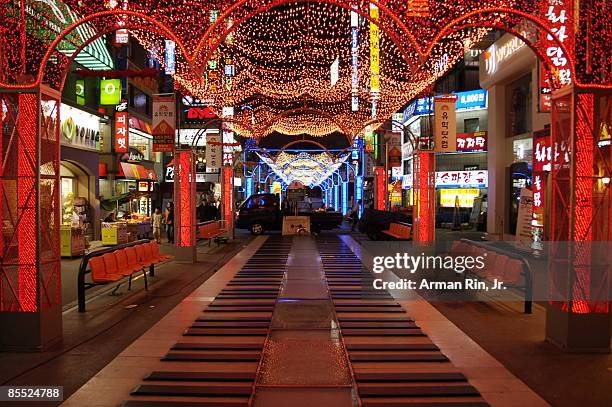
[[138, 124], [136, 172]]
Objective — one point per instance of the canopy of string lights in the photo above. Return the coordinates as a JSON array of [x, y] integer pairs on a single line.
[[337, 65], [283, 59]]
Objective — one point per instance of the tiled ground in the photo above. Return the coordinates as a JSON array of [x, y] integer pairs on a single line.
[[286, 372]]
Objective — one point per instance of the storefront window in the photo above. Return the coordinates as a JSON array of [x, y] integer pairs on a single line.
[[143, 143], [520, 106], [523, 150], [471, 125], [67, 186]]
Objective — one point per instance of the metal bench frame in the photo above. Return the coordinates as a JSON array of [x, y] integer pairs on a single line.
[[527, 272], [82, 286], [222, 228]]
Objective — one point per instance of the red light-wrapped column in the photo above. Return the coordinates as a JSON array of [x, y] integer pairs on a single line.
[[424, 219], [185, 202], [380, 188], [227, 182], [27, 146], [578, 317], [29, 182]]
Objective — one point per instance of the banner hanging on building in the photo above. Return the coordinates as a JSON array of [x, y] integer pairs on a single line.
[[559, 15], [374, 51], [445, 124], [214, 152], [164, 123]]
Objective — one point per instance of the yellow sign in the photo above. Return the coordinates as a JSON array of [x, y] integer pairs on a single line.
[[418, 8], [276, 188], [368, 139], [464, 197], [395, 193], [374, 50]]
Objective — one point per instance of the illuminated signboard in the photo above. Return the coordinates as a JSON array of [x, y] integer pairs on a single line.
[[380, 185], [462, 179], [356, 147], [466, 101], [463, 198], [194, 137], [542, 163], [498, 53], [214, 153], [110, 92], [121, 132], [445, 124], [542, 151], [80, 92], [354, 61], [164, 123], [374, 51], [143, 186], [369, 141], [418, 8], [472, 141], [455, 179], [198, 114], [559, 14], [228, 196], [79, 129], [122, 35], [397, 121]]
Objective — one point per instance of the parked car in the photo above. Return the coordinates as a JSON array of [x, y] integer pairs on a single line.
[[262, 212]]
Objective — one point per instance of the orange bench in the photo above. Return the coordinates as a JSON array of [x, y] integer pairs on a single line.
[[212, 230], [398, 231], [502, 265], [113, 264]]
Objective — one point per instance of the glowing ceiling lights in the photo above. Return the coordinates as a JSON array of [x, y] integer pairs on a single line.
[[275, 55], [280, 60]]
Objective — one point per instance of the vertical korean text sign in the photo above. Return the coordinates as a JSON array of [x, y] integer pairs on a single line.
[[121, 132], [164, 123], [445, 124]]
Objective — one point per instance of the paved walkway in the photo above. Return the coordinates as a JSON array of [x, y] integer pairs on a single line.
[[111, 324], [295, 322]]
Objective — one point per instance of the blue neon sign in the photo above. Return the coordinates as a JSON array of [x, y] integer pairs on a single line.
[[470, 100]]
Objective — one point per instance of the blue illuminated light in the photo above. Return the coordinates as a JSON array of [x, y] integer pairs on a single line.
[[170, 58], [345, 198], [248, 186], [336, 197], [359, 191]]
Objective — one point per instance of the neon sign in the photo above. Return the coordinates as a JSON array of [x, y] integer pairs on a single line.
[[121, 132]]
